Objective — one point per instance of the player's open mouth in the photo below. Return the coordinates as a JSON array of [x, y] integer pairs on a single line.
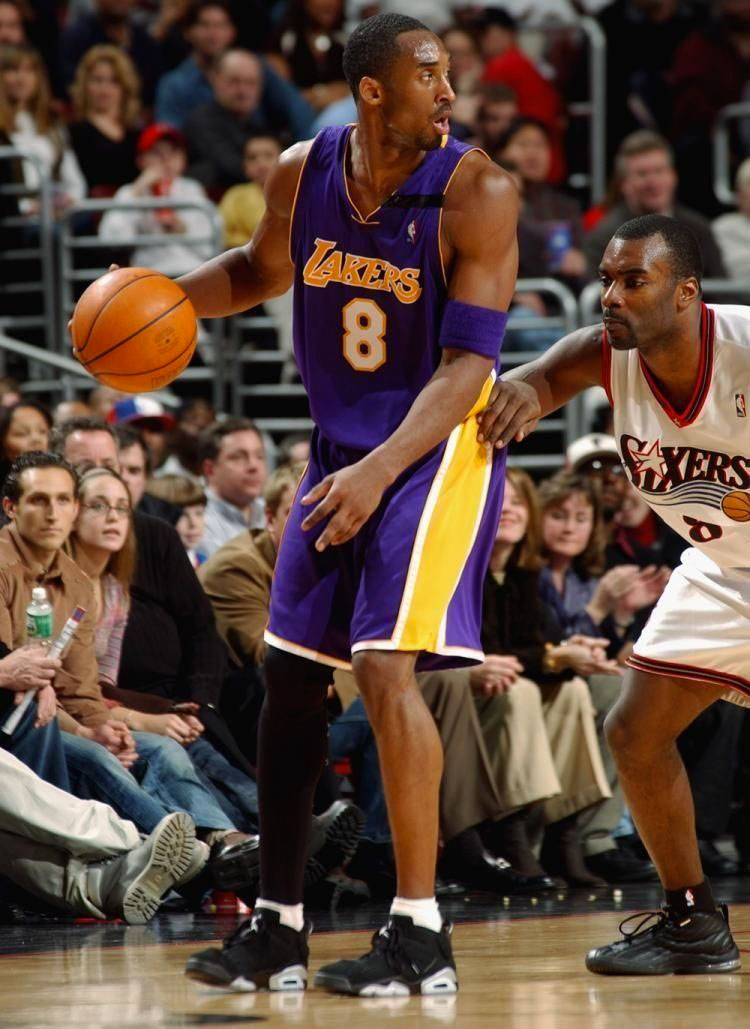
[[442, 124]]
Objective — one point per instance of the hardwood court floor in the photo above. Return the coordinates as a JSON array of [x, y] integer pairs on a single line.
[[520, 965]]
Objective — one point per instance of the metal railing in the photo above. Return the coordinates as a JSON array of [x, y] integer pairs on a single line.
[[69, 378], [593, 109], [73, 278], [721, 149], [568, 420], [37, 228], [286, 409], [246, 333]]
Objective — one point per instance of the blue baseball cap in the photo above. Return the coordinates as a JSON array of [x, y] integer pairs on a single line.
[[141, 413]]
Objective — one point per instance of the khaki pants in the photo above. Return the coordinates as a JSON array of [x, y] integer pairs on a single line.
[[47, 837], [543, 747], [468, 793], [595, 826]]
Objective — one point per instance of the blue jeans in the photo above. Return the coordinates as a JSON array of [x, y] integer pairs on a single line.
[[351, 736], [164, 770], [40, 749], [163, 779], [236, 792], [95, 774]]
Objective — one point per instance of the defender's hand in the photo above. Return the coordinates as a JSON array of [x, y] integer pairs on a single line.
[[350, 495], [513, 412]]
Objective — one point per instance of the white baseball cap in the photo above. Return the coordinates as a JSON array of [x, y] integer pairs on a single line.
[[593, 445]]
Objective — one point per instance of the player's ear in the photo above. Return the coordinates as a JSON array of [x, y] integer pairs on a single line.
[[688, 291], [370, 91]]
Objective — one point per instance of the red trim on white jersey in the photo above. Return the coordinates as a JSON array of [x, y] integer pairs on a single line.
[[677, 670], [607, 367], [695, 404]]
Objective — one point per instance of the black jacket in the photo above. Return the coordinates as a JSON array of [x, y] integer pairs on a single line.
[[171, 646]]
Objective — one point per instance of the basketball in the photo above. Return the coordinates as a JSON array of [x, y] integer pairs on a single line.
[[134, 330], [736, 505]]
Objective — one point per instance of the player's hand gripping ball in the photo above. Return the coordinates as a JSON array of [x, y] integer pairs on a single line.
[[134, 330]]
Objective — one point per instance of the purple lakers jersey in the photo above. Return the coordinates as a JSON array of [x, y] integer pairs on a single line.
[[369, 291]]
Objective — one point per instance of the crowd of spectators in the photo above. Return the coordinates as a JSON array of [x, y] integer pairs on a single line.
[[194, 99], [165, 527], [156, 704]]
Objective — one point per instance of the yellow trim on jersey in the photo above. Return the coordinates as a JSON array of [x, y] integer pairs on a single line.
[[294, 202], [445, 536], [474, 150], [466, 652], [300, 651]]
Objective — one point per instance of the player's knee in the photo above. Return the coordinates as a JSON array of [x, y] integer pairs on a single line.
[[374, 669], [386, 681], [293, 682], [622, 733]]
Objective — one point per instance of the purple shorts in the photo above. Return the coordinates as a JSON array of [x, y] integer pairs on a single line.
[[411, 579]]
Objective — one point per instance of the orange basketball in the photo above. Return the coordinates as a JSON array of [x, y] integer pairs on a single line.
[[134, 330], [736, 505]]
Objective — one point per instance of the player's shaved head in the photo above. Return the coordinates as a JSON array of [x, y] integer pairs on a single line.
[[373, 47], [685, 257]]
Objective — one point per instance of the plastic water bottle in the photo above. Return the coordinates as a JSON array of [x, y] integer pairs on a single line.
[[39, 618], [559, 239]]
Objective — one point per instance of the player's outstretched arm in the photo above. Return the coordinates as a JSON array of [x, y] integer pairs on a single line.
[[534, 390], [248, 275]]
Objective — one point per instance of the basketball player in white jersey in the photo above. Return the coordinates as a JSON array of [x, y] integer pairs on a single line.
[[677, 372]]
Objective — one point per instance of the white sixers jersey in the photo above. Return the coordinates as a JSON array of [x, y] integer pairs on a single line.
[[692, 467]]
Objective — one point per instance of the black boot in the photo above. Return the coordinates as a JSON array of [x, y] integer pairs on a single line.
[[561, 855], [507, 838]]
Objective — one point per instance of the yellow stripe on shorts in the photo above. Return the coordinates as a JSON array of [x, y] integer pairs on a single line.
[[445, 536]]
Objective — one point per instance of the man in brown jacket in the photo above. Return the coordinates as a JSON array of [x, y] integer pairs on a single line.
[[237, 578], [40, 497]]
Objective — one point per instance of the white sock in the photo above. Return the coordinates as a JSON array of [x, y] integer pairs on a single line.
[[423, 912], [290, 915]]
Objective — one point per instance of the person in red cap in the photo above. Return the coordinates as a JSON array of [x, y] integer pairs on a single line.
[[162, 156]]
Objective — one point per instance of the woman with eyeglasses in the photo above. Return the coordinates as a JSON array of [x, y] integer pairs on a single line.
[[584, 597], [103, 545]]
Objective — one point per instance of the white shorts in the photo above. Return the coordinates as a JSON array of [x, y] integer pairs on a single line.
[[700, 628]]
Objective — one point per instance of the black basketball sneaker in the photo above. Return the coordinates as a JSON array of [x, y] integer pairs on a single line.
[[404, 959], [262, 954], [673, 944]]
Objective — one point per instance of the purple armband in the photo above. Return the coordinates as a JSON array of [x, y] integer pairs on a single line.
[[468, 327]]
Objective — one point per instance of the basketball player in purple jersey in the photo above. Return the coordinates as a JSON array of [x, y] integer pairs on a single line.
[[401, 244]]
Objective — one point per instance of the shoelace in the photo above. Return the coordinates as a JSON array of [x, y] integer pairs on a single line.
[[658, 918], [251, 925], [386, 942]]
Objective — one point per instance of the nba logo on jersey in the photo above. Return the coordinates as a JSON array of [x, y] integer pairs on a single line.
[[411, 232], [739, 405]]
